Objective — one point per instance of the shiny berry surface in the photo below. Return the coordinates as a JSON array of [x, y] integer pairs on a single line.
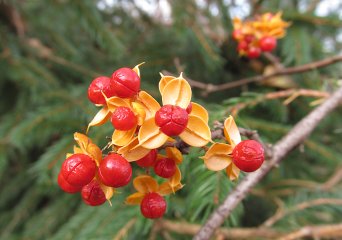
[[248, 155], [165, 168], [153, 205], [92, 194], [115, 171], [126, 82], [172, 120], [148, 160], [242, 46], [123, 119], [253, 52], [267, 44], [97, 86], [249, 38], [78, 169], [65, 186]]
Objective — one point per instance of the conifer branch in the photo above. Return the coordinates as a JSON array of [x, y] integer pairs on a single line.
[[297, 135]]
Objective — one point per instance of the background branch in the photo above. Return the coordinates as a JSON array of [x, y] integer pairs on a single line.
[[299, 207], [316, 232], [185, 228], [289, 94], [325, 186], [210, 88], [280, 150]]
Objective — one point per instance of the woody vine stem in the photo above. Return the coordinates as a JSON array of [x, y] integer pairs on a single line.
[[296, 136]]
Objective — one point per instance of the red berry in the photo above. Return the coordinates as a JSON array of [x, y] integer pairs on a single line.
[[65, 186], [253, 52], [267, 44], [115, 171], [148, 160], [248, 155], [242, 46], [97, 86], [237, 34], [153, 205], [172, 120], [249, 38], [78, 169], [123, 119], [189, 108], [126, 82], [165, 168], [92, 194]]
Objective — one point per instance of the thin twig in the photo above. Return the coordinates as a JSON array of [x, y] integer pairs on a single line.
[[326, 186], [299, 207], [316, 232], [185, 228], [210, 88], [124, 230], [154, 231], [289, 94], [332, 181], [296, 136], [253, 134], [274, 60]]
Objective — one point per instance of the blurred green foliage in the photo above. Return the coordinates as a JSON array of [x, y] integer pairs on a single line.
[[51, 50]]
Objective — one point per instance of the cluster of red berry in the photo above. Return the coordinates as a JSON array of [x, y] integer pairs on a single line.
[[251, 47], [141, 130], [78, 175], [259, 34], [95, 177]]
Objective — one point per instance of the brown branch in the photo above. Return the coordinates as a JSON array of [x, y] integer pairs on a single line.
[[332, 181], [316, 232], [297, 135], [290, 94], [325, 186], [274, 60], [125, 229], [299, 92], [210, 88], [251, 134], [299, 207], [13, 17], [218, 132], [185, 228]]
